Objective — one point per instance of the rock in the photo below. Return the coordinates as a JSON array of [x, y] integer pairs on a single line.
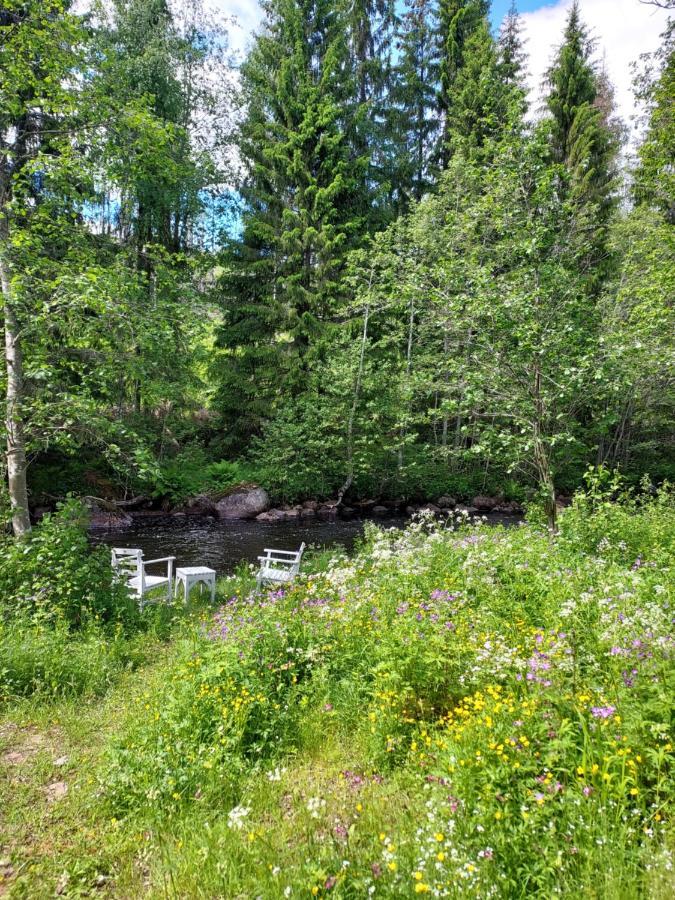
[[347, 512], [308, 512], [201, 505], [509, 508], [327, 512], [462, 509], [446, 502], [61, 761], [100, 518], [380, 511], [57, 790], [485, 504], [430, 507], [411, 510], [244, 502], [311, 504], [293, 513], [272, 515]]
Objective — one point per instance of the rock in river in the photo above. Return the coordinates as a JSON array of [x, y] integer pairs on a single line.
[[244, 502]]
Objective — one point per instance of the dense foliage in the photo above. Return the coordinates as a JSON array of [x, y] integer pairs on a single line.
[[361, 267]]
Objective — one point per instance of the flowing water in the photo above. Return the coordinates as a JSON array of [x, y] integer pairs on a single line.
[[221, 545]]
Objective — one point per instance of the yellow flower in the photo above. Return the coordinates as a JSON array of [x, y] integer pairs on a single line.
[[421, 888], [498, 815], [418, 876], [392, 866], [440, 856], [315, 891], [439, 837], [359, 807], [633, 792]]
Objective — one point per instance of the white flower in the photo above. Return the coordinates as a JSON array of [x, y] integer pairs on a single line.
[[236, 816], [315, 805]]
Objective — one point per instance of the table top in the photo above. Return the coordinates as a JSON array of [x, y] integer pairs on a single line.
[[194, 570]]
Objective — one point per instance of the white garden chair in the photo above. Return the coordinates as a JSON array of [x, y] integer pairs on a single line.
[[130, 565], [279, 566]]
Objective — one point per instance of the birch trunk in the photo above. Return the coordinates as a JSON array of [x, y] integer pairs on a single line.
[[16, 443]]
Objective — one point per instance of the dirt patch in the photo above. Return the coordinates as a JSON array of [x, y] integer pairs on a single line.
[[57, 790]]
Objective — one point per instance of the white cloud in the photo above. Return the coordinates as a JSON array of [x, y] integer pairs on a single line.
[[247, 15], [623, 29]]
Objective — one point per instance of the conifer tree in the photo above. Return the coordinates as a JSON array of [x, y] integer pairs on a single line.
[[304, 204], [458, 19], [583, 141], [512, 56], [413, 119], [481, 99]]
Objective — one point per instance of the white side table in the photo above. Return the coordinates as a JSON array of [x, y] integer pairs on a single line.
[[188, 576]]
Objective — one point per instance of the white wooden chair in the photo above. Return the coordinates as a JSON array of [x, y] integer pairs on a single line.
[[279, 566], [130, 565]]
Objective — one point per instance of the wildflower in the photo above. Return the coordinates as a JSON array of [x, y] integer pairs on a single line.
[[236, 816], [603, 712]]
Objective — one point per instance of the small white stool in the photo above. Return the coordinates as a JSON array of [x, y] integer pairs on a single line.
[[191, 575]]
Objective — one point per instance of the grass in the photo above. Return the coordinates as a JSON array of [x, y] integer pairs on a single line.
[[459, 712]]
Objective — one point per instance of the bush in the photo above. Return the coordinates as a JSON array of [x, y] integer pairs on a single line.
[[55, 576]]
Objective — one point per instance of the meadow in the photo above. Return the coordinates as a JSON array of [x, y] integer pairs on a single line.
[[454, 710]]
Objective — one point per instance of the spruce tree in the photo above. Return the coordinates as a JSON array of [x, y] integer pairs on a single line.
[[512, 56], [655, 175], [413, 119], [481, 103], [458, 20], [583, 142], [304, 204]]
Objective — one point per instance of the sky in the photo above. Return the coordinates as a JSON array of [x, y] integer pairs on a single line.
[[624, 30]]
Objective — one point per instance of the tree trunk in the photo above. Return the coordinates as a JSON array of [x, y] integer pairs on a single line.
[[352, 413], [541, 457], [16, 444]]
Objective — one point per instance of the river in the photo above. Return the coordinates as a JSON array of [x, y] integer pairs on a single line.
[[221, 545]]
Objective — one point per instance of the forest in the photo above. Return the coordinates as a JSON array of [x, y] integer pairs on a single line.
[[362, 262]]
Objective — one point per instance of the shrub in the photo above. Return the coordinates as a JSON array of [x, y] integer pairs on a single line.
[[55, 576]]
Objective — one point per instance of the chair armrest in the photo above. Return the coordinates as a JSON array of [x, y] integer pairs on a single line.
[[161, 559]]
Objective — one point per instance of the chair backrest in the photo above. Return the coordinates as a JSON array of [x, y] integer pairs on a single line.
[[283, 559], [129, 563]]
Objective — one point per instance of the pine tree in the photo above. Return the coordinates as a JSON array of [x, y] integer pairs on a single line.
[[458, 19], [304, 203], [583, 142]]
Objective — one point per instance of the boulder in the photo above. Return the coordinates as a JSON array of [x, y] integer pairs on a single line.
[[201, 505], [327, 512], [272, 515], [308, 512], [347, 512], [446, 502], [509, 508], [313, 505], [101, 518], [430, 507], [411, 510], [380, 511], [485, 504], [244, 502], [293, 512]]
